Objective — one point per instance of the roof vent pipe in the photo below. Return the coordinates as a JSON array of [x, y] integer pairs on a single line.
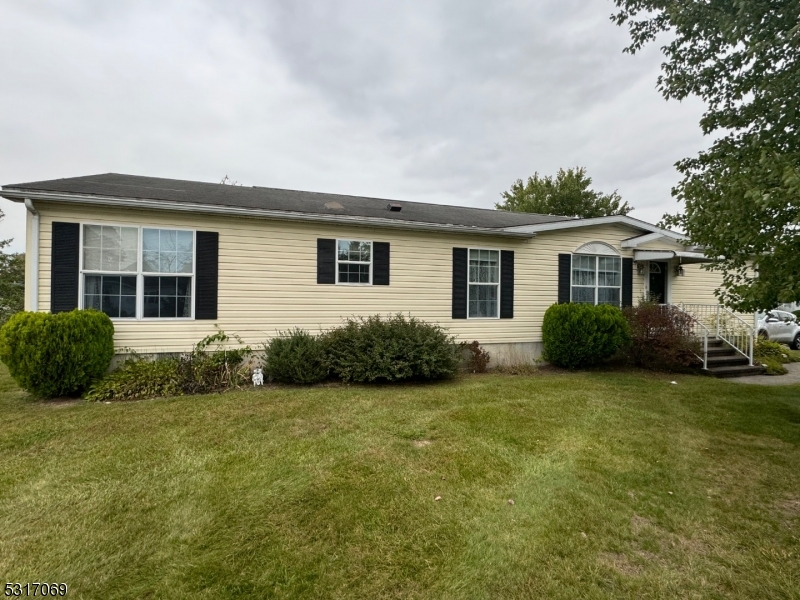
[[394, 207]]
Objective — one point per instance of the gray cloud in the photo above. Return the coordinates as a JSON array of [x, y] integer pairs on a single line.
[[438, 101]]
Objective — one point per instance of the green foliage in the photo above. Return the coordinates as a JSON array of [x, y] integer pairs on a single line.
[[580, 335], [60, 354], [661, 337], [392, 349], [209, 367], [773, 366], [478, 358], [212, 367], [741, 196], [567, 194], [137, 379], [295, 357], [12, 285], [796, 314]]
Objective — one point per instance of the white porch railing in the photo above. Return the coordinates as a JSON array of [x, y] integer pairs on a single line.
[[725, 325]]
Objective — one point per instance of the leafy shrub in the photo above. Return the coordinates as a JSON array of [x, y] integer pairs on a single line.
[[296, 357], [211, 367], [391, 349], [579, 335], [60, 354], [796, 314], [137, 379], [773, 365], [478, 358], [661, 337], [769, 349]]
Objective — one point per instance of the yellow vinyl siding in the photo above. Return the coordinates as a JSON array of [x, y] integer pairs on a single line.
[[695, 286], [268, 274]]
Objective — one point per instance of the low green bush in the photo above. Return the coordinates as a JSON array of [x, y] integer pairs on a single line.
[[209, 367], [137, 379], [580, 335], [52, 355], [770, 349], [396, 348], [295, 357], [213, 367]]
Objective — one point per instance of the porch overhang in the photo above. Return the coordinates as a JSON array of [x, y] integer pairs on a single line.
[[686, 258]]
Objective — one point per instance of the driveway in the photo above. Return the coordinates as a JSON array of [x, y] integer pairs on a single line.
[[793, 376]]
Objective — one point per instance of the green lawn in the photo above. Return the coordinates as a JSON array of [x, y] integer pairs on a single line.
[[624, 486]]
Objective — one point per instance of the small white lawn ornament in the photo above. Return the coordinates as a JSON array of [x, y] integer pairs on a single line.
[[258, 377]]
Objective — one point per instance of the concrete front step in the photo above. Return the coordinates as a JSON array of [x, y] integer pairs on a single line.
[[727, 360], [737, 371]]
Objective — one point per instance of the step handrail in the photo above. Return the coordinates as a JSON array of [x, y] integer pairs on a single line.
[[729, 326], [705, 331]]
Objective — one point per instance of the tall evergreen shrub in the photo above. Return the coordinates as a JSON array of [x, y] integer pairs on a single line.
[[60, 354], [580, 335]]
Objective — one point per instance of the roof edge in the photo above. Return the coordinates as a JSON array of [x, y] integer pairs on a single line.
[[574, 223], [20, 195]]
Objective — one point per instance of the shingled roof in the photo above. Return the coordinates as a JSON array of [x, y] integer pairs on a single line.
[[198, 194]]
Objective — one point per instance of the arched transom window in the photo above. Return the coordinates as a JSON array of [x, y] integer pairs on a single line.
[[596, 274]]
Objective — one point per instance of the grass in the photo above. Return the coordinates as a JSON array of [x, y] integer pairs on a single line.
[[624, 486]]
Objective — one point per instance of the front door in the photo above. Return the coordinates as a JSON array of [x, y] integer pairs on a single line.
[[658, 282]]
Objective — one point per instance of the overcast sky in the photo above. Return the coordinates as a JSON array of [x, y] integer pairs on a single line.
[[446, 101]]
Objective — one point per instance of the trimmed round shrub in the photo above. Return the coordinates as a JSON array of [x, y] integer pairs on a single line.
[[581, 335], [295, 357], [376, 349], [52, 355]]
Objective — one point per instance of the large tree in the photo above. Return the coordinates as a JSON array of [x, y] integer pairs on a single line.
[[12, 281], [567, 194], [741, 197]]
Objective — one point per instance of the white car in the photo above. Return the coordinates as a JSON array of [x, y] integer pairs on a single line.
[[779, 326]]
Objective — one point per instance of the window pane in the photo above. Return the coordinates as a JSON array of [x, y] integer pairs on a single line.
[[92, 284], [185, 241], [128, 285], [184, 286], [609, 271], [111, 286], [184, 262], [353, 273], [583, 268], [167, 297], [167, 251], [167, 307], [150, 262], [111, 306], [608, 295], [91, 301], [583, 294], [343, 249], [150, 240], [482, 301], [127, 307], [91, 236], [484, 266], [91, 259]]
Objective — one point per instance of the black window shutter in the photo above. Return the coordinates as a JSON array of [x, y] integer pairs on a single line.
[[627, 282], [207, 283], [380, 263], [506, 284], [564, 275], [64, 266], [460, 283], [326, 261]]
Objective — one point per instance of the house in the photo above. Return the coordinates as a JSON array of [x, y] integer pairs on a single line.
[[169, 260]]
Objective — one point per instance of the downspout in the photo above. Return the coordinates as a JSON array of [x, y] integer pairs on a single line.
[[34, 291]]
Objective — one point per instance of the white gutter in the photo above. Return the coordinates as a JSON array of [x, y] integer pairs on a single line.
[[614, 219], [33, 297], [686, 257], [17, 195]]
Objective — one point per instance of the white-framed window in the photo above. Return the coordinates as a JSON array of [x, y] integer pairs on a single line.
[[596, 279], [354, 262], [484, 284], [137, 272]]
